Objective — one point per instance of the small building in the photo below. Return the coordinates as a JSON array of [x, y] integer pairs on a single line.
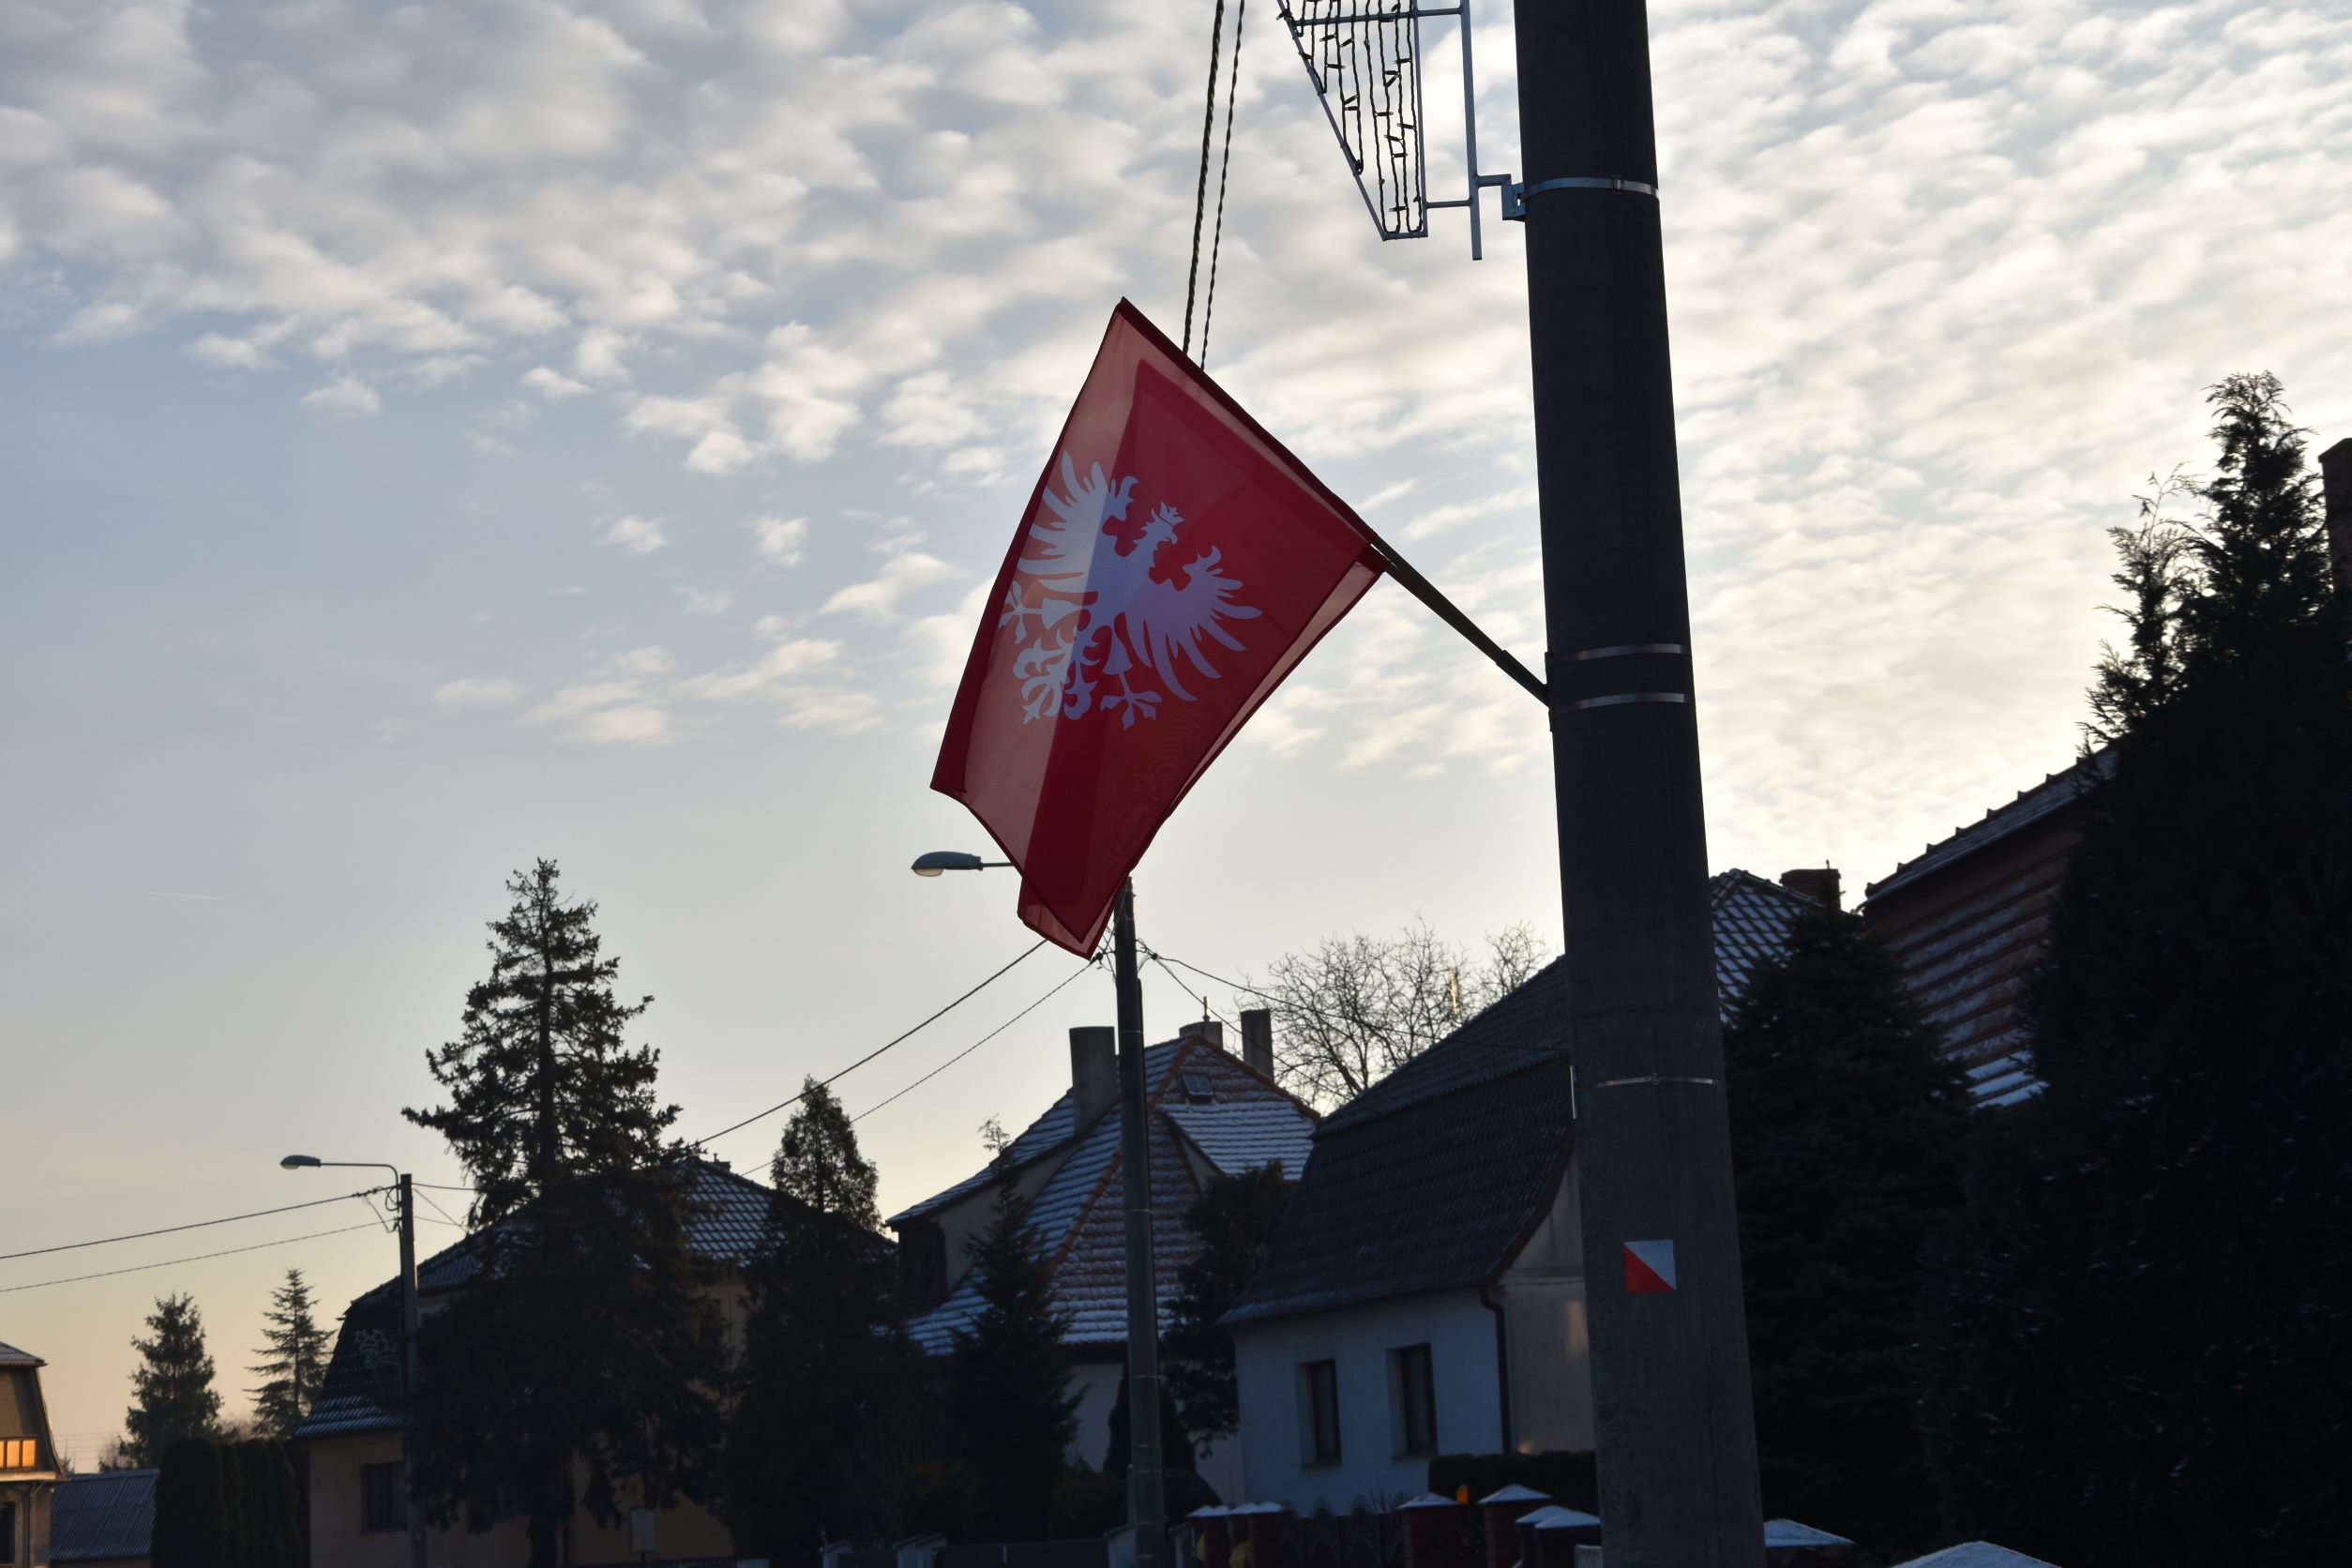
[[1210, 1114], [352, 1436], [1425, 1293], [28, 1461], [106, 1520]]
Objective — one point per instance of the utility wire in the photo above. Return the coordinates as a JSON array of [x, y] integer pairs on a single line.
[[1201, 196], [174, 1262], [194, 1225], [826, 1084], [1292, 1005], [984, 1039], [1216, 240]]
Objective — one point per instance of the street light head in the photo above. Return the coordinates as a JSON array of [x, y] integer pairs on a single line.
[[932, 864], [299, 1162]]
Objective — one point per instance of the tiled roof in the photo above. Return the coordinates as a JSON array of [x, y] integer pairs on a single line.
[[1433, 1177], [2055, 791], [1241, 1137], [11, 1356], [363, 1375], [1076, 1214], [108, 1515]]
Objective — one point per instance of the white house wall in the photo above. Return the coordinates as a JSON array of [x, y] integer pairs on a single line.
[[1460, 1334]]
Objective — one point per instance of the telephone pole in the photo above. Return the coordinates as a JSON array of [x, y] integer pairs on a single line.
[[1673, 1419], [1147, 1507]]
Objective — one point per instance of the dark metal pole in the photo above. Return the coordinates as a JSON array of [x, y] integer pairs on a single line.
[[409, 1321], [1146, 1503], [1673, 1414]]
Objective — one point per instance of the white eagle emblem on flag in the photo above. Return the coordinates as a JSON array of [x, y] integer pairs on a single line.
[[1100, 615]]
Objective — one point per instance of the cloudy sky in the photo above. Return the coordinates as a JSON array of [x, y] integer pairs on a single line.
[[438, 435]]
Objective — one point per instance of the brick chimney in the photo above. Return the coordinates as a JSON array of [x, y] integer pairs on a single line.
[[1094, 1070], [2335, 478], [1818, 883], [1207, 1028], [1257, 1039]]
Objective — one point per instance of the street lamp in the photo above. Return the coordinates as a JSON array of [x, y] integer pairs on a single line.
[[414, 1512], [1147, 1508]]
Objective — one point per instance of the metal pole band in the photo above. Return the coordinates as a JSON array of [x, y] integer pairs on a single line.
[[1654, 1078], [1621, 649], [1589, 182], [1620, 698]]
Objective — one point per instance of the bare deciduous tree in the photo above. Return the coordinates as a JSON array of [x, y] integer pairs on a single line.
[[1353, 1009]]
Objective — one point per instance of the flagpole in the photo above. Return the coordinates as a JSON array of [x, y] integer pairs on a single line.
[[1673, 1414], [1146, 1500]]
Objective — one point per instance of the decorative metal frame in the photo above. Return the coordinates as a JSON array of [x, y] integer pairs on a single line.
[[1364, 58]]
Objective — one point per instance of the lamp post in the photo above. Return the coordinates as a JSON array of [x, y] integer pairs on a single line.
[[1147, 1509], [415, 1514]]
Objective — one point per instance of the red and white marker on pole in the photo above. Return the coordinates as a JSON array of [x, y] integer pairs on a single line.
[[1649, 1268]]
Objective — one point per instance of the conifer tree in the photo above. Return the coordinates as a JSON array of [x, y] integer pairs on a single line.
[[293, 1357], [1008, 1396], [587, 1339], [173, 1396], [815, 1446], [1847, 1127], [1236, 1219], [2139, 1341]]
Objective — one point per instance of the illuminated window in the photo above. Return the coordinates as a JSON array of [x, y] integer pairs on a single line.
[[19, 1453]]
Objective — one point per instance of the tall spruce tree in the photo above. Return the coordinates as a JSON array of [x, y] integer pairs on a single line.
[[816, 1444], [294, 1359], [588, 1343], [2140, 1336], [1236, 1219], [1008, 1380], [172, 1398], [1847, 1130]]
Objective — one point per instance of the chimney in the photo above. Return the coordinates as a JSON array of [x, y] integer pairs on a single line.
[[1818, 883], [2335, 478], [1094, 1070], [1207, 1028], [1257, 1039]]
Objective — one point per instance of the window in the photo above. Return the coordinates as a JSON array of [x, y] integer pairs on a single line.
[[382, 1497], [1413, 1401], [1318, 1413], [19, 1453], [8, 1533], [1199, 1089]]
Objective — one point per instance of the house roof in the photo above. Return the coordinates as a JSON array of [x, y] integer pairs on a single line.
[[1976, 1554], [11, 1356], [1433, 1177], [363, 1375], [1076, 1214], [108, 1515], [2054, 794]]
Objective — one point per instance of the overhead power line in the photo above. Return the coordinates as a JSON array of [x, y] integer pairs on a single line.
[[984, 1039], [192, 1225], [826, 1084], [174, 1262]]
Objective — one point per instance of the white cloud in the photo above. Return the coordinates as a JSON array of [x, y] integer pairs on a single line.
[[637, 535], [346, 397], [780, 542], [476, 691], [707, 601], [776, 670], [552, 385], [878, 597]]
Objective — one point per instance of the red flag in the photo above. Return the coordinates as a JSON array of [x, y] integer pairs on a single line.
[[1173, 565]]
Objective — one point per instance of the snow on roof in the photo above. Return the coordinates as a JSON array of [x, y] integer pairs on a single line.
[[1075, 1214], [1557, 1517], [1976, 1554], [1789, 1532], [11, 1356], [1241, 1137], [1514, 1493]]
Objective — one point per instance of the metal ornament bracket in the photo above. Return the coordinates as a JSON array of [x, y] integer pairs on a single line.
[[1364, 58]]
